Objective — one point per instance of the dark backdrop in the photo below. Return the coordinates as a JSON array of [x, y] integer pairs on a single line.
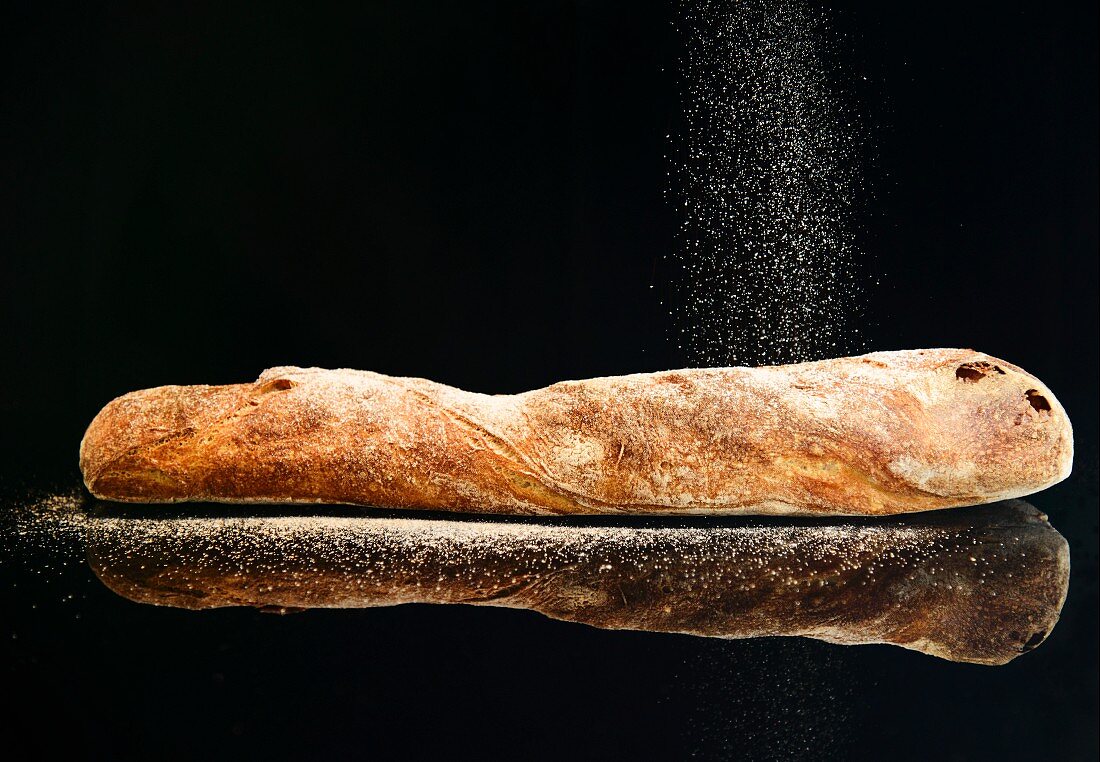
[[473, 192]]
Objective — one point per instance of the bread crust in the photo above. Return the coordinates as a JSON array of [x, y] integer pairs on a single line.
[[883, 433], [979, 585]]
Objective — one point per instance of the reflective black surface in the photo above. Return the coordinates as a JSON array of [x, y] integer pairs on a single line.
[[980, 585], [82, 575]]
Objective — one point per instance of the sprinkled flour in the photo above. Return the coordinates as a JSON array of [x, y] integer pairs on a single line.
[[766, 179]]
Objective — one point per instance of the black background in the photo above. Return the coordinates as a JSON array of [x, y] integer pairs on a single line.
[[473, 192]]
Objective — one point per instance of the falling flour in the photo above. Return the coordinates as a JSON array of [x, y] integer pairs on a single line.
[[766, 179]]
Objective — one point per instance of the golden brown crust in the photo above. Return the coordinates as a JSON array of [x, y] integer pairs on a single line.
[[889, 432], [980, 584]]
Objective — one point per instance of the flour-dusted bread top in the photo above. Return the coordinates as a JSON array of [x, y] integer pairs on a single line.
[[884, 433]]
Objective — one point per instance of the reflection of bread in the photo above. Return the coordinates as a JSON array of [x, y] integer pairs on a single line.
[[889, 432], [979, 584]]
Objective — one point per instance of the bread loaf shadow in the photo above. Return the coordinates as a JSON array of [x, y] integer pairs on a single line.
[[981, 584]]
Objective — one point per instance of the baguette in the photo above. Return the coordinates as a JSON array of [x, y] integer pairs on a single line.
[[885, 433], [979, 585]]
